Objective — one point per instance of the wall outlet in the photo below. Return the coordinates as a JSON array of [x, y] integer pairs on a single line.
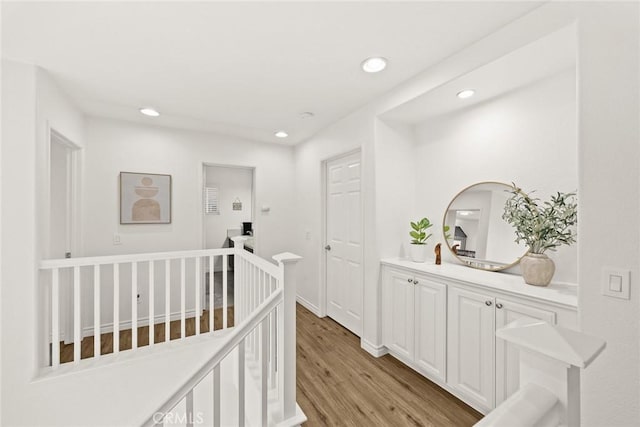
[[116, 239]]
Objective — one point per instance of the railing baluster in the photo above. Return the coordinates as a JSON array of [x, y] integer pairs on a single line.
[[216, 396], [212, 307], [183, 299], [77, 337], [134, 305], [96, 311], [197, 286], [116, 308], [225, 303], [55, 317], [152, 304], [241, 384], [264, 327], [167, 300], [189, 408]]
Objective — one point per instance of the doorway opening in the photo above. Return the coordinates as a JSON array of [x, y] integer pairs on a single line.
[[228, 206]]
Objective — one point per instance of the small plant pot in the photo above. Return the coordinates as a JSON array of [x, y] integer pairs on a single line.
[[537, 269], [418, 253]]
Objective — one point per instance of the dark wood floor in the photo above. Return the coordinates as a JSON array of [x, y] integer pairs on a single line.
[[106, 340], [339, 384]]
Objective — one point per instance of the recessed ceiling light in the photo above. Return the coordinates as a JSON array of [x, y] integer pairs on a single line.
[[465, 213], [149, 112], [374, 64], [281, 134], [466, 93]]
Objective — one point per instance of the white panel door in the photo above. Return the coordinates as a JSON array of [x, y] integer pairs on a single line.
[[430, 327], [398, 313], [507, 356], [344, 242], [471, 346]]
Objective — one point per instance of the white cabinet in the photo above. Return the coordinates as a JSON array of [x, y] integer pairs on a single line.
[[414, 319], [442, 323], [398, 313], [471, 343]]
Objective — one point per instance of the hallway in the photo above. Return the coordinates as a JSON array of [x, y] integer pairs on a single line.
[[341, 384]]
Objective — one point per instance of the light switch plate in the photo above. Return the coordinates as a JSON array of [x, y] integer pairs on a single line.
[[615, 282]]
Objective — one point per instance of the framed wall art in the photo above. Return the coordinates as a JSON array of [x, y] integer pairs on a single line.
[[145, 198]]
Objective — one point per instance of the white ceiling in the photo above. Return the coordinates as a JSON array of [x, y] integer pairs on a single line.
[[545, 57], [240, 68]]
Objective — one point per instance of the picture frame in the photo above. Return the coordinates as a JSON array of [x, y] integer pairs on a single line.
[[145, 198]]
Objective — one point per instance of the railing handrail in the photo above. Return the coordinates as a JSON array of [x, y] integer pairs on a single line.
[[231, 341], [263, 264], [122, 259]]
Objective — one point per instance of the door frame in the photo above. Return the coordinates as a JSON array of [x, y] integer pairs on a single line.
[[203, 183], [74, 174], [74, 222], [322, 305]]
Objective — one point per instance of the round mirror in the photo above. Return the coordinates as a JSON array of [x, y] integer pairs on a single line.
[[476, 234]]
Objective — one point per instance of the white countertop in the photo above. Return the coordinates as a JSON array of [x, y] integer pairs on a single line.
[[559, 293]]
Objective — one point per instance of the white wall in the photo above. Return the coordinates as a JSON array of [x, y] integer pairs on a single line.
[[31, 105], [115, 146], [528, 136], [608, 87], [232, 183]]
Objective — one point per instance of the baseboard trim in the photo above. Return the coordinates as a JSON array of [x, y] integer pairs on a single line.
[[142, 321], [374, 350], [306, 304]]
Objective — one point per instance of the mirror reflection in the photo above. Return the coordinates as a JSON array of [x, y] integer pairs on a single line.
[[477, 234]]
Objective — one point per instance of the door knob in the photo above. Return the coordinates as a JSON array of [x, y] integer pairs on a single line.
[[415, 282], [328, 247], [498, 305], [410, 280], [488, 302]]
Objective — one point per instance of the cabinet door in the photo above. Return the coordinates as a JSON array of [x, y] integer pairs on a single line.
[[430, 325], [507, 359], [397, 313], [471, 345]]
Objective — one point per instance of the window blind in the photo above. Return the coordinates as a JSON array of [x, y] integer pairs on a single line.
[[211, 203]]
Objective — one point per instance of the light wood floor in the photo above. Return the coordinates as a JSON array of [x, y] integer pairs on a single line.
[[339, 384]]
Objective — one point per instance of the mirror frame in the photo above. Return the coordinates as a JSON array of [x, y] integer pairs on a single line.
[[467, 263]]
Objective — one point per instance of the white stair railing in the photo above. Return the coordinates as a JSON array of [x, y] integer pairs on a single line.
[[263, 344], [115, 283], [551, 358]]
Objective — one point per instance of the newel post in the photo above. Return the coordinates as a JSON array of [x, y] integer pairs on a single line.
[[287, 338], [238, 288]]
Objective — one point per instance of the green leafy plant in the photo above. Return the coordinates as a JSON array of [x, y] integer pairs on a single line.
[[419, 231], [542, 226], [445, 230]]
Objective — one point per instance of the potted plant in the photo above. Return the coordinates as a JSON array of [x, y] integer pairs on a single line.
[[419, 234], [542, 227]]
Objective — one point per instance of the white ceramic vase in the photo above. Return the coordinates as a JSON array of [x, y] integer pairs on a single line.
[[537, 269], [418, 253]]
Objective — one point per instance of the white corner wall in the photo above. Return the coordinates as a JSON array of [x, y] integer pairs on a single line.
[[32, 104], [528, 136]]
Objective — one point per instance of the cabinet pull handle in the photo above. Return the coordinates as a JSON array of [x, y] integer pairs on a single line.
[[415, 282], [488, 303], [410, 280], [498, 305]]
